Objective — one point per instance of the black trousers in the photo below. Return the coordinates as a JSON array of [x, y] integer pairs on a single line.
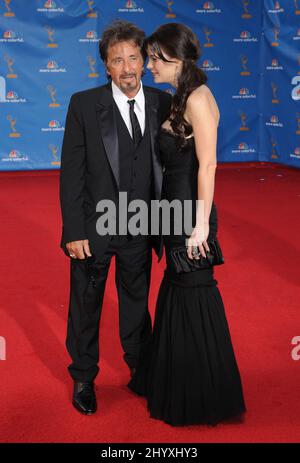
[[133, 269]]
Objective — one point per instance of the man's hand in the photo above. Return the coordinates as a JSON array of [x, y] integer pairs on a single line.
[[79, 249]]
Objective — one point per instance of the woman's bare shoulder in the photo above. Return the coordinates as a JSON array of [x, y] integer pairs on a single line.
[[203, 96]]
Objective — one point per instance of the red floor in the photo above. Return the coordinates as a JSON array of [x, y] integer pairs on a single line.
[[259, 224]]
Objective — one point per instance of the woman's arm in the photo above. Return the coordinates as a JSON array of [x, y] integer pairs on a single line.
[[203, 114]]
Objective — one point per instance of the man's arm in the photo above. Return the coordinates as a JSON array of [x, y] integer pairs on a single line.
[[72, 175]]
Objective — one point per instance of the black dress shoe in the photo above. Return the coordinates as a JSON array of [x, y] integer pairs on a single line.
[[84, 399]]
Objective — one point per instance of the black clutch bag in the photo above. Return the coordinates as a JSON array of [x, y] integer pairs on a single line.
[[183, 264]]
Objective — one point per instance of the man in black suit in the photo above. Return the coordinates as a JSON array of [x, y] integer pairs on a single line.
[[109, 147]]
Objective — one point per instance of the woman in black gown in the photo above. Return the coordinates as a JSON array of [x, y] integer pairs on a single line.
[[191, 375]]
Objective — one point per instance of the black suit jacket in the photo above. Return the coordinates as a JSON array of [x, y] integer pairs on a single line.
[[90, 161]]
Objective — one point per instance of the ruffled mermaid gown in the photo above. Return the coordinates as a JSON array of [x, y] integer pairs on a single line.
[[190, 374]]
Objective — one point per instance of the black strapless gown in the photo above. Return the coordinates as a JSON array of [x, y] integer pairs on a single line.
[[190, 375]]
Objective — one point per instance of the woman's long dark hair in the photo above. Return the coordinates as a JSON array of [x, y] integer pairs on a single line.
[[179, 42]]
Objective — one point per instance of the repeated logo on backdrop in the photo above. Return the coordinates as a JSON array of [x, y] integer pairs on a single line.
[[131, 7], [8, 13], [50, 7], [253, 70], [51, 38]]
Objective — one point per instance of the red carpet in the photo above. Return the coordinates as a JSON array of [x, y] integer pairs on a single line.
[[259, 223]]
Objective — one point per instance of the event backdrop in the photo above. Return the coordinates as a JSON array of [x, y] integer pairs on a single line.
[[250, 52]]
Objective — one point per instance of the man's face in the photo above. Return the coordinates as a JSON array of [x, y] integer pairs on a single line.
[[125, 65]]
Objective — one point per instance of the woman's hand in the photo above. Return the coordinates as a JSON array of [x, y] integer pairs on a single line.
[[197, 242]]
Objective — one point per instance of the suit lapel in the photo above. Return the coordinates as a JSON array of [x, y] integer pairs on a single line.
[[106, 119], [151, 108]]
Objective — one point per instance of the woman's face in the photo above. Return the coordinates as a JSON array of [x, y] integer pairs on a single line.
[[162, 71]]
